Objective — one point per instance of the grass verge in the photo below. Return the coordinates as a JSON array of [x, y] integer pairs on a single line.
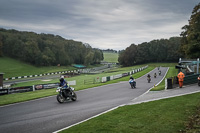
[[162, 116]]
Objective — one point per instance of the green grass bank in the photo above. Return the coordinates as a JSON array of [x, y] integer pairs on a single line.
[[162, 116]]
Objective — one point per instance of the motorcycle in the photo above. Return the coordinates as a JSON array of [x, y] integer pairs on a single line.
[[155, 75], [132, 83], [159, 72], [148, 79], [67, 95]]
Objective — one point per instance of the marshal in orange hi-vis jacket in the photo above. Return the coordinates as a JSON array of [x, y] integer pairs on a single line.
[[180, 79]]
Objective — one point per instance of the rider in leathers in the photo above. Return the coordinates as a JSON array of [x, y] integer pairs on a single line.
[[64, 84]]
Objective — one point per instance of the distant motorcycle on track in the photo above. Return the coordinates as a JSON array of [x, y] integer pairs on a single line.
[[155, 75], [148, 78], [159, 72]]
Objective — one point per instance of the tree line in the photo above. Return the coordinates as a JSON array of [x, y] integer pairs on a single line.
[[163, 50], [46, 49], [110, 50]]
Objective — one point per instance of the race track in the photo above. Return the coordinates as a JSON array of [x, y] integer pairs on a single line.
[[47, 115]]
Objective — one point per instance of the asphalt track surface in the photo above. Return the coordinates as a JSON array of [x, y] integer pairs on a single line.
[[47, 115]]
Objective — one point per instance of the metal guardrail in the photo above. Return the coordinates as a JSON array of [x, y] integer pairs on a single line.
[[191, 79]]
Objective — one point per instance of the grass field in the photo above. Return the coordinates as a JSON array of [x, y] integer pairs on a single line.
[[162, 116], [111, 57], [14, 68]]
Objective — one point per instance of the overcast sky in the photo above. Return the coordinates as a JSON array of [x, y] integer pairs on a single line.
[[113, 24]]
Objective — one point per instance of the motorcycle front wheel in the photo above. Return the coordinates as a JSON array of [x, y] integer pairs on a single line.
[[60, 98], [74, 97]]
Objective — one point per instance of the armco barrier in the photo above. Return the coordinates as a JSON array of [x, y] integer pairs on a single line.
[[53, 73], [105, 79], [190, 79], [117, 76], [30, 76]]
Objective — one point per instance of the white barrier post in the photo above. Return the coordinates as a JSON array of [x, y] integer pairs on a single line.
[[33, 87], [165, 83]]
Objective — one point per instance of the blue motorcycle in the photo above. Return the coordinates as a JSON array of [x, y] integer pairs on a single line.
[[132, 83]]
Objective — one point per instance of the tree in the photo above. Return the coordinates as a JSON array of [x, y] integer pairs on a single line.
[[162, 50], [89, 58], [128, 57], [46, 49], [191, 35]]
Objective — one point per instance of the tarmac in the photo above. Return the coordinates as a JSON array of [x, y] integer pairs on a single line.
[[169, 93]]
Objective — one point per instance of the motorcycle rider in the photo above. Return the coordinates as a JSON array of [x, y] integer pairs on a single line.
[[160, 72], [63, 84], [149, 77], [155, 75], [131, 78], [198, 80]]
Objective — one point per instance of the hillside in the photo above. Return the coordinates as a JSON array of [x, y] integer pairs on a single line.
[[14, 68], [110, 57], [46, 49]]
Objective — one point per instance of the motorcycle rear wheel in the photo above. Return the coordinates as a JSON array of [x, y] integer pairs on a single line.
[[60, 98]]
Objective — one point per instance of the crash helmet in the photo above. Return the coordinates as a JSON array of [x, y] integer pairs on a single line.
[[62, 78]]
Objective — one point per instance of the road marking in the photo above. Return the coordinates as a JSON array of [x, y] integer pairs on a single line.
[[155, 99], [89, 118]]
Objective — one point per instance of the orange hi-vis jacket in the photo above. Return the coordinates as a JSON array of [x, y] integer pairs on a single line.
[[181, 76]]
